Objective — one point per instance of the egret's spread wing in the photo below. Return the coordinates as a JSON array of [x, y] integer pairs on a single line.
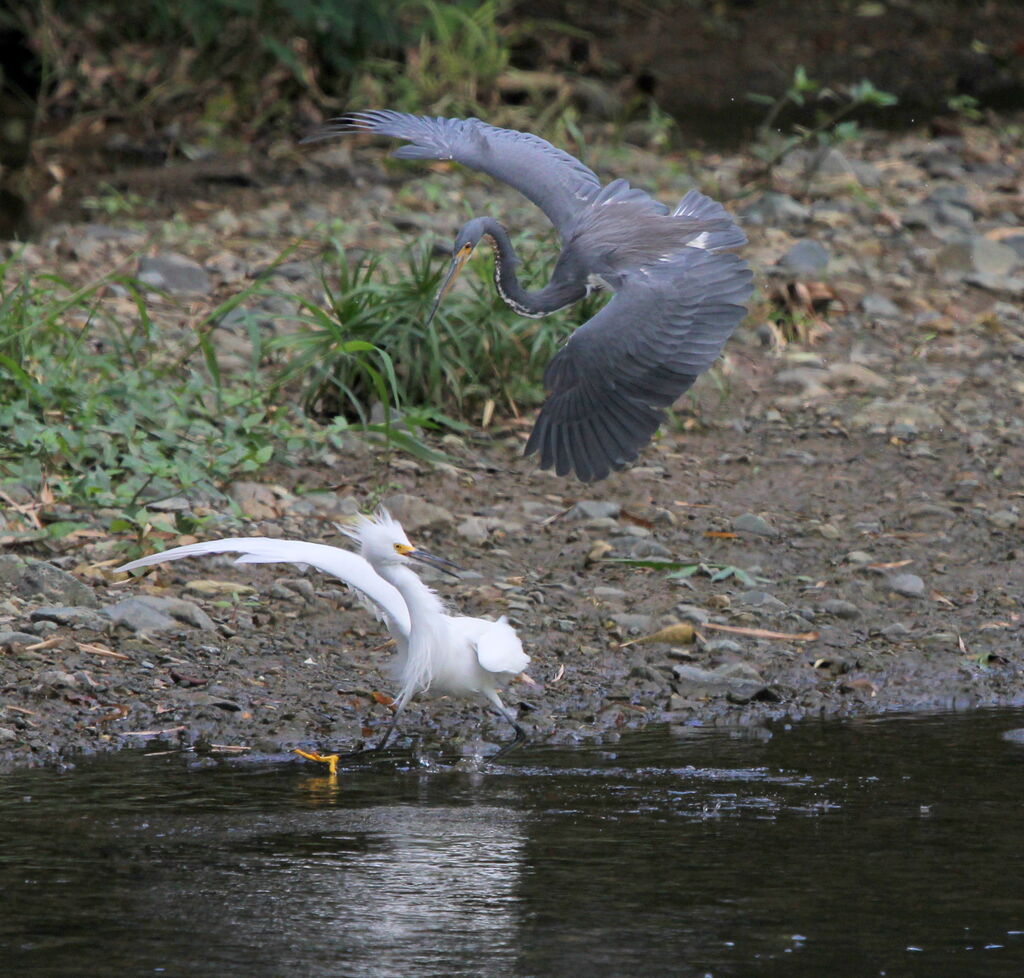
[[609, 383], [354, 570], [498, 648], [558, 183]]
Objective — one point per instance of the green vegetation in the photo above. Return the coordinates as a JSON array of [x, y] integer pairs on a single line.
[[831, 125], [476, 349]]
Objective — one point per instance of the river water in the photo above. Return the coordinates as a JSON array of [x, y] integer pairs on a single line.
[[883, 846]]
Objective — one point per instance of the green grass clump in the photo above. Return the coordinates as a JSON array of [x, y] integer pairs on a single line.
[[475, 350]]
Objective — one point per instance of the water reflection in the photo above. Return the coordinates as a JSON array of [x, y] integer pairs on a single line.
[[870, 847]]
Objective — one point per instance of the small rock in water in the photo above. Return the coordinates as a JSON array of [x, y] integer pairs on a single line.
[[1015, 736], [909, 585]]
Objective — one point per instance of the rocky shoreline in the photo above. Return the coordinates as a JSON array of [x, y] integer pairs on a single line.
[[847, 494]]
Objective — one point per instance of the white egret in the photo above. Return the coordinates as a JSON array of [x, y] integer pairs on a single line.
[[464, 657]]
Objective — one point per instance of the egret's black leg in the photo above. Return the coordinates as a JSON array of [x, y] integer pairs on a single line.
[[520, 737]]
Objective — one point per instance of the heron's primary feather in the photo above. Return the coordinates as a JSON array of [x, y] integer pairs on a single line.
[[609, 383], [558, 183]]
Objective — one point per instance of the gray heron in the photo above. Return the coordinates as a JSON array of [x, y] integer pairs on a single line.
[[679, 291]]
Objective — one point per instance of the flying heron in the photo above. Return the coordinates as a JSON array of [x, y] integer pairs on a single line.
[[465, 657], [679, 292]]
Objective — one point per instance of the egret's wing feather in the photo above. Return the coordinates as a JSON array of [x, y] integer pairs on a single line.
[[495, 644], [349, 567], [609, 384], [558, 183]]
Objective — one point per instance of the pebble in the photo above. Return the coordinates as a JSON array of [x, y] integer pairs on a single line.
[[840, 608], [415, 513], [594, 509], [756, 598], [31, 578], [806, 259], [754, 524], [909, 585], [474, 529], [877, 306], [634, 624], [146, 613], [776, 210], [1004, 519], [9, 638], [691, 613], [174, 273], [72, 617], [896, 632]]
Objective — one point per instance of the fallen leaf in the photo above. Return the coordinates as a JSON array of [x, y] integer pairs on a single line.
[[382, 698], [681, 633], [720, 535]]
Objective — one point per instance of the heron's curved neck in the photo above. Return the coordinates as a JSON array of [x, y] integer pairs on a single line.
[[560, 291]]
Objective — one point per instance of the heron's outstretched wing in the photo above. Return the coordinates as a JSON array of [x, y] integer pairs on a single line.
[[354, 570], [609, 384], [558, 183]]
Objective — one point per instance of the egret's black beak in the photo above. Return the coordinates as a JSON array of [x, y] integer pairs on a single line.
[[458, 260], [439, 562]]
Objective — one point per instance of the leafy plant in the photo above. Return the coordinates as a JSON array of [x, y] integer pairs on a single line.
[[831, 125], [474, 351], [681, 569]]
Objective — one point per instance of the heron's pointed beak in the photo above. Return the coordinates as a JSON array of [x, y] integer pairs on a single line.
[[458, 260], [439, 562]]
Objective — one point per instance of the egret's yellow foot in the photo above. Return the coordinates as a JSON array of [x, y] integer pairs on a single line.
[[331, 760]]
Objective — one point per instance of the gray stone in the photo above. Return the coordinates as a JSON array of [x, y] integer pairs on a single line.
[[736, 681], [174, 273], [840, 608], [71, 616], [33, 579], [914, 417], [474, 529], [755, 598], [594, 509], [877, 306], [146, 613], [691, 613], [8, 638], [896, 632], [649, 548], [776, 210], [634, 624], [1015, 736], [7, 735], [1004, 519], [909, 585], [415, 513], [755, 525], [975, 256], [806, 258]]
